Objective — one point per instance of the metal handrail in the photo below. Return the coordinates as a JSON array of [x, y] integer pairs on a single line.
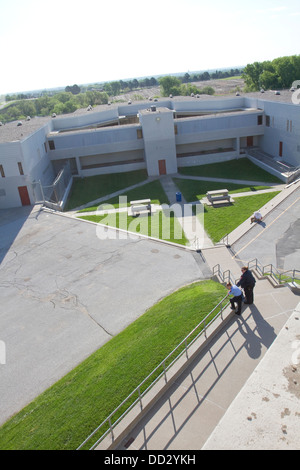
[[274, 271], [225, 276], [203, 325]]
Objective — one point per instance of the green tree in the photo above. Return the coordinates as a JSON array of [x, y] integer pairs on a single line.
[[285, 70], [115, 87], [169, 85], [251, 75], [70, 106], [269, 80], [59, 108], [74, 89]]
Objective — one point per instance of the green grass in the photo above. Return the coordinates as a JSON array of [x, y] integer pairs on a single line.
[[218, 221], [194, 189], [161, 225], [65, 414], [233, 169], [89, 189], [152, 190]]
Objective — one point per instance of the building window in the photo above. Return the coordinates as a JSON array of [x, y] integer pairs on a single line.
[[268, 121], [139, 133], [51, 144], [175, 129], [259, 120], [20, 166], [45, 145], [2, 171]]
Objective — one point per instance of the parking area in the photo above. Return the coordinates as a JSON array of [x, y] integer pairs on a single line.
[[65, 292]]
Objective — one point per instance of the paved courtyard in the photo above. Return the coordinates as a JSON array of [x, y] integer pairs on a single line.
[[64, 293]]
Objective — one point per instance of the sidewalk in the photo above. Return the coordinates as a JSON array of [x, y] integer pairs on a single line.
[[190, 223]]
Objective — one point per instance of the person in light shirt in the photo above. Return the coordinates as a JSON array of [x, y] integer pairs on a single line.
[[257, 217], [237, 297]]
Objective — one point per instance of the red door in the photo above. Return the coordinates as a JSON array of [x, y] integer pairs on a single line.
[[280, 148], [250, 141], [24, 196], [162, 167]]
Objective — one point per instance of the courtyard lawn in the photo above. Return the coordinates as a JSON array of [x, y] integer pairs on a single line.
[[152, 190], [162, 224], [195, 189], [89, 189], [218, 221], [242, 169], [65, 414]]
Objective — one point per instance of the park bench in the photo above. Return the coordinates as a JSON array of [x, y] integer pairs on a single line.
[[141, 205], [218, 195]]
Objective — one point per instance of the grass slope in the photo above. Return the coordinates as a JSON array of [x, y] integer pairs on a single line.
[[65, 414]]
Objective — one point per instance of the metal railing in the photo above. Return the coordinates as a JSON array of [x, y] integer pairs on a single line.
[[224, 276], [290, 275], [141, 390], [290, 171], [224, 240]]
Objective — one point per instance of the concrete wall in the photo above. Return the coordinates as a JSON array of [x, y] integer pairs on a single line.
[[10, 155], [284, 119], [159, 140]]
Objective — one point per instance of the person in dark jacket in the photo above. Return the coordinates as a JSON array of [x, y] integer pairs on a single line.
[[247, 282]]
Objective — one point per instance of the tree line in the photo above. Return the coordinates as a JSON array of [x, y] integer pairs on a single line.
[[279, 73], [74, 97], [61, 103], [172, 86]]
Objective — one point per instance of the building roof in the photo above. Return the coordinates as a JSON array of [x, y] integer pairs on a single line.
[[11, 132]]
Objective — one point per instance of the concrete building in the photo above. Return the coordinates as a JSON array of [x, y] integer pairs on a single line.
[[159, 136]]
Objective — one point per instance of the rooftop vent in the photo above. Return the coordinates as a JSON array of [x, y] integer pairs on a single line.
[[153, 108]]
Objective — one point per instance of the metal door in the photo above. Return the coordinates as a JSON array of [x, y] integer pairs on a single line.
[[24, 196], [162, 167]]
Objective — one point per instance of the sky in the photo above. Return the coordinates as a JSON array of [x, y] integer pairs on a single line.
[[48, 44]]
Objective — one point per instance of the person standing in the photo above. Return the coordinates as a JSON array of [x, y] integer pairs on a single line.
[[247, 282], [237, 297]]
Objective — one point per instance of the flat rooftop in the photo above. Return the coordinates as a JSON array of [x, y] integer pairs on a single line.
[[11, 132]]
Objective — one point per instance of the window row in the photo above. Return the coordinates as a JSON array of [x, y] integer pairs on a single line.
[[20, 167]]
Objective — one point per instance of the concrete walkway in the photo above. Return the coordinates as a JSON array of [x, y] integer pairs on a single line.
[[191, 225]]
